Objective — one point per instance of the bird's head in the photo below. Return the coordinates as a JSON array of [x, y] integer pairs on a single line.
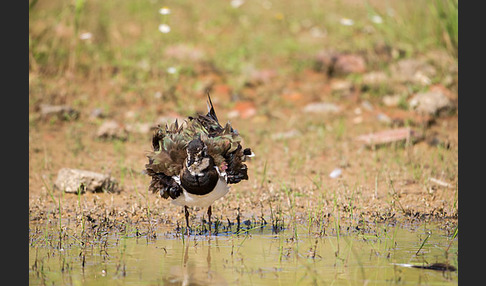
[[197, 156]]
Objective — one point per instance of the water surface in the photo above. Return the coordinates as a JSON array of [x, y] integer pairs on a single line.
[[257, 257]]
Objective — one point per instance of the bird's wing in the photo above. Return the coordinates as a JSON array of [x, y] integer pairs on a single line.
[[169, 152], [224, 145], [228, 154]]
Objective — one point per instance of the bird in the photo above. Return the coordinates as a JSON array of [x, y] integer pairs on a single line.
[[194, 163]]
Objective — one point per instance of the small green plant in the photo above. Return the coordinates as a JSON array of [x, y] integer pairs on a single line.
[[81, 213], [446, 15], [452, 238], [423, 242], [337, 219], [264, 174]]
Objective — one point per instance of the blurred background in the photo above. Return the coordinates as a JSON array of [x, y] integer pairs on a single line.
[[133, 50]]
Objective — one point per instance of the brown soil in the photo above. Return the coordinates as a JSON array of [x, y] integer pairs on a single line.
[[290, 176]]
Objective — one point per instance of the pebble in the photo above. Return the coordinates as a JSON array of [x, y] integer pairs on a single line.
[[63, 112], [335, 173], [430, 102], [375, 78], [388, 136], [72, 180], [415, 71], [322, 107], [285, 135], [111, 129], [391, 100]]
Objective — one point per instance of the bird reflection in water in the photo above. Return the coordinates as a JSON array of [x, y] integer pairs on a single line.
[[191, 272]]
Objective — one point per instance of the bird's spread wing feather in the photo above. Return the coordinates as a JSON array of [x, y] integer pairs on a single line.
[[224, 145], [168, 153]]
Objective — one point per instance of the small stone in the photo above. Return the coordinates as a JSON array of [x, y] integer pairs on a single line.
[[158, 95], [413, 70], [349, 63], [339, 64], [375, 78], [430, 102], [391, 100], [285, 135], [382, 117], [367, 105], [388, 136], [341, 85], [97, 113], [440, 183], [335, 173], [74, 180], [130, 114], [112, 130], [322, 107], [62, 112]]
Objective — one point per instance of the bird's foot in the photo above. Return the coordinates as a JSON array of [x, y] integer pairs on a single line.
[[187, 231]]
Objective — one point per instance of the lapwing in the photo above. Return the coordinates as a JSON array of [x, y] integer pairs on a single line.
[[194, 163]]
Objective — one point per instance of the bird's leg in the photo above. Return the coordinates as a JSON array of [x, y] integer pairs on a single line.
[[209, 218], [186, 212]]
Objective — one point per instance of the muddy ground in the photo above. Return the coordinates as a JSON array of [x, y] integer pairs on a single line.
[[296, 148]]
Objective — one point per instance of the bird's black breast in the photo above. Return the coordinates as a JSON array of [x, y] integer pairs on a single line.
[[199, 185]]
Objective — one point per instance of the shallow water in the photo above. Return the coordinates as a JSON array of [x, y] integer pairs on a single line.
[[257, 257]]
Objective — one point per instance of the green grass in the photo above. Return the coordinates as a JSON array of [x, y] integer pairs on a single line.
[[125, 34], [446, 16], [417, 26]]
